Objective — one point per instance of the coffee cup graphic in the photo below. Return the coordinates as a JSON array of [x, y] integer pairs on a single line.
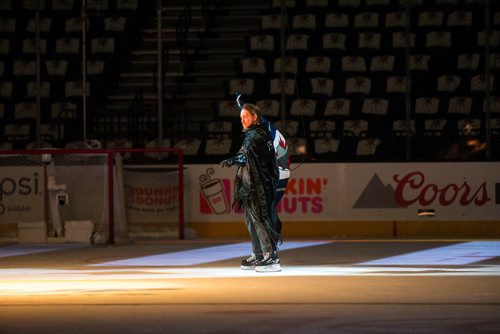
[[213, 192]]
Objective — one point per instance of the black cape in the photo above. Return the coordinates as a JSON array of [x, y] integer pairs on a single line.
[[259, 177]]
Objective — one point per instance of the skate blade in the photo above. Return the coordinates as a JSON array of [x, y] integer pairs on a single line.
[[268, 269], [247, 268]]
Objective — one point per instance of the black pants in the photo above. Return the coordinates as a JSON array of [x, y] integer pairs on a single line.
[[261, 242]]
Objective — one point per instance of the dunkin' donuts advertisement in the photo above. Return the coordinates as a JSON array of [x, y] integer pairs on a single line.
[[363, 192]]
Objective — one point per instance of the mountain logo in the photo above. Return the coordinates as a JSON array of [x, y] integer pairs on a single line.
[[376, 195]]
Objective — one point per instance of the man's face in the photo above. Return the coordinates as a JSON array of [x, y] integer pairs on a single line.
[[247, 119]]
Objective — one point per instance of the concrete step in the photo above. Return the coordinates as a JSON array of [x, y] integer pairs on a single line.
[[216, 3], [218, 65], [244, 7], [128, 92], [171, 44], [129, 96], [168, 30], [223, 52], [141, 74], [123, 119], [173, 69], [199, 94], [211, 65], [152, 51], [238, 19], [227, 42], [151, 57]]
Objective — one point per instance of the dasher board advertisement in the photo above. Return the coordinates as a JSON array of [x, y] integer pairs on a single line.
[[359, 192]]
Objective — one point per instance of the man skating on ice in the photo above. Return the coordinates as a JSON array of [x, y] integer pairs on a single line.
[[255, 190]]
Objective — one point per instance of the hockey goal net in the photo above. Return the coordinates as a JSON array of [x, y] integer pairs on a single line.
[[124, 193], [150, 190]]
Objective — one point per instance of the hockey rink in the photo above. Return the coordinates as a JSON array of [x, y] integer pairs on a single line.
[[196, 286]]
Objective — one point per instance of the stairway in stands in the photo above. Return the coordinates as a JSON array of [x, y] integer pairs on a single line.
[[215, 39]]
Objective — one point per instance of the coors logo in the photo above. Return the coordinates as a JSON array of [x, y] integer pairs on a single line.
[[414, 188]]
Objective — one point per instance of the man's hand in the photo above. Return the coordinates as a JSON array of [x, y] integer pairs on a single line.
[[239, 159], [227, 163]]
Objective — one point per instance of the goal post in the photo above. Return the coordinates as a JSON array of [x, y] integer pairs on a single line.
[[150, 192], [55, 186], [60, 188]]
